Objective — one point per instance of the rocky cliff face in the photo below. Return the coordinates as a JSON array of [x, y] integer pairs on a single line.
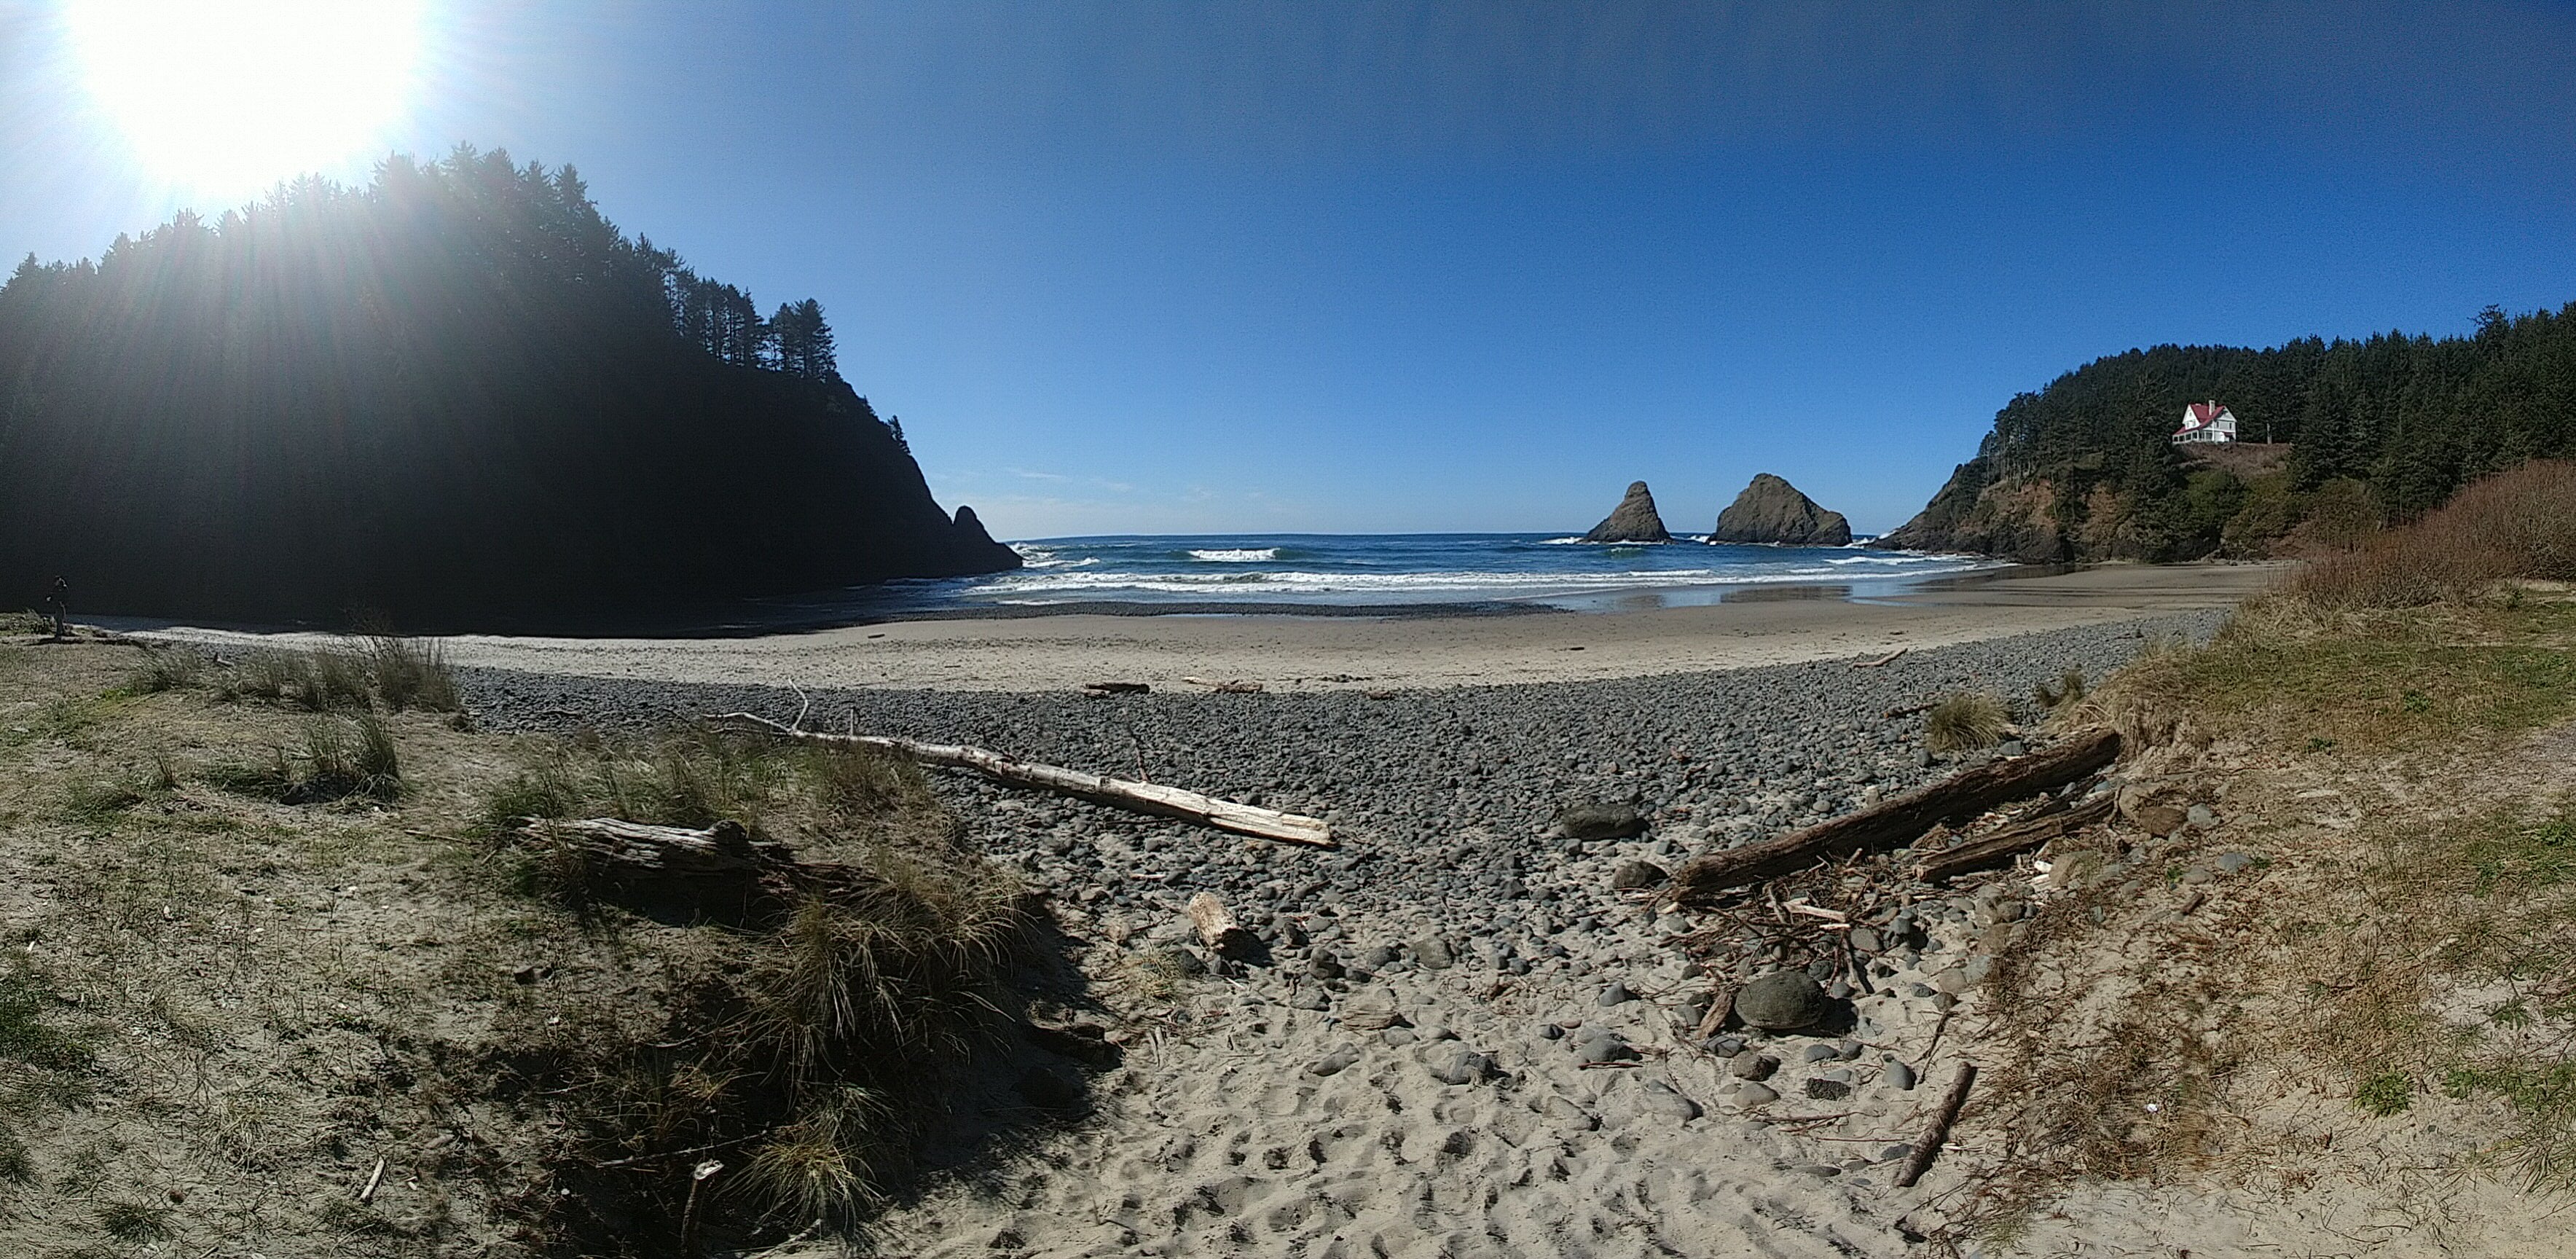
[[1772, 510], [1633, 520]]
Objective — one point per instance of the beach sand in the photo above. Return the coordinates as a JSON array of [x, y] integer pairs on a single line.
[[1043, 653]]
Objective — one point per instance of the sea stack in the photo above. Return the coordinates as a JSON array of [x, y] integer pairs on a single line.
[[1772, 510], [1634, 519]]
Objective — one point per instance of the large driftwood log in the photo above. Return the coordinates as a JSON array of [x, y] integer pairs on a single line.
[[1226, 815], [1999, 846], [1897, 822]]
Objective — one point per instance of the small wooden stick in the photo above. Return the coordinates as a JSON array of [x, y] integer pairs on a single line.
[[374, 1178], [1721, 1003], [1928, 1146], [1884, 661]]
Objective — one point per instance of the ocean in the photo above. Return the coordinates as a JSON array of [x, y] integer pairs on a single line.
[[1364, 571]]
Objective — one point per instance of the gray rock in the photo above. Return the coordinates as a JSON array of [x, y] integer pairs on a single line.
[[1633, 875], [1616, 994], [1753, 1064], [1782, 1002], [1756, 1095], [2011, 747], [1899, 1075], [1893, 1153], [1633, 520], [1599, 1045], [1564, 1111], [1821, 1052], [2233, 862], [1377, 956], [1865, 939], [1659, 1098], [1334, 1062], [1432, 952], [2202, 816], [1598, 821], [1458, 1064]]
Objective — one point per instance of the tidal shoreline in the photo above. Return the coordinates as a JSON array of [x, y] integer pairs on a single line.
[[1366, 649]]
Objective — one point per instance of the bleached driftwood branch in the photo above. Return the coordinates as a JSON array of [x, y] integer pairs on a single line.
[[1897, 822], [1227, 815]]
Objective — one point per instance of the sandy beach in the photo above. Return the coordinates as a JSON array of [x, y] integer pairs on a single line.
[[1291, 653]]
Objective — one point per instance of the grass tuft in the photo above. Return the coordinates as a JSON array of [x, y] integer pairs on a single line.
[[134, 1221], [1966, 721], [25, 1034], [2387, 1093], [412, 673], [167, 669]]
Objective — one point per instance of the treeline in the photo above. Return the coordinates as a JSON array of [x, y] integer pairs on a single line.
[[2390, 426], [456, 395]]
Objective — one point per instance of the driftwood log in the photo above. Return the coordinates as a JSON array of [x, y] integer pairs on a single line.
[[1999, 846], [1225, 815], [1897, 822], [1928, 1146], [723, 850], [1218, 929]]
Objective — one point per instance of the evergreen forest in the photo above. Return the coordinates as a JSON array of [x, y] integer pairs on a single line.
[[456, 397], [2376, 431]]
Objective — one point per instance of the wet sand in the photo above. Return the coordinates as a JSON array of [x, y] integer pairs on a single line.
[[1058, 652]]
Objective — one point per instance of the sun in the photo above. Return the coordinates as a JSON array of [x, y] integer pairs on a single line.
[[224, 99]]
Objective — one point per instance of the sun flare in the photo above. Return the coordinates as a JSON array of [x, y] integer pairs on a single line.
[[225, 99]]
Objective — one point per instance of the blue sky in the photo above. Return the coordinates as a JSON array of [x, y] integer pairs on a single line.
[[1186, 267]]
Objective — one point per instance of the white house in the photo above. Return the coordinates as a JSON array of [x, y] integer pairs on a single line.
[[2206, 422]]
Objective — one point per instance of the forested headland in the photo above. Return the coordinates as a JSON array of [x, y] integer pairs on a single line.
[[2338, 437], [454, 398]]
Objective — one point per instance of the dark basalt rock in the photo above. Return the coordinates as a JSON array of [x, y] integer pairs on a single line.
[[1633, 520], [1782, 1002], [1772, 510]]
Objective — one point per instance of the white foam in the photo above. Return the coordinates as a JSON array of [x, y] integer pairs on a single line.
[[1240, 555]]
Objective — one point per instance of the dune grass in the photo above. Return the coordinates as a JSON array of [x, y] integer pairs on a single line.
[[263, 946], [813, 1028], [1965, 722]]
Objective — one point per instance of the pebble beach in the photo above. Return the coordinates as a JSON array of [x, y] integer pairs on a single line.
[[1457, 1037]]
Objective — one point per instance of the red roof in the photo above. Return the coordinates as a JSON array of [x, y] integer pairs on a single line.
[[2200, 415]]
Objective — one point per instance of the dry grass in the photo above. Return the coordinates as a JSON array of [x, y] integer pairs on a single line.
[[252, 949], [2403, 946], [397, 674], [809, 1032], [1966, 721]]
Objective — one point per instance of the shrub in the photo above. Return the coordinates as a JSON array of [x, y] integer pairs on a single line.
[[2515, 524], [1964, 721]]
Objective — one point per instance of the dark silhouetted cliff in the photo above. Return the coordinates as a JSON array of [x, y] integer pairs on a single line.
[[457, 398]]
